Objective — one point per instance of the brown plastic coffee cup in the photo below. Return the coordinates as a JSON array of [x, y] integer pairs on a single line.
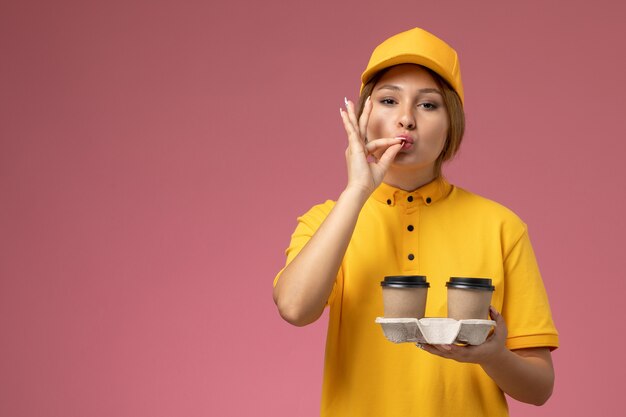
[[469, 298], [405, 296]]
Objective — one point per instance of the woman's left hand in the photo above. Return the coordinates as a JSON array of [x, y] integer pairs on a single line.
[[480, 354]]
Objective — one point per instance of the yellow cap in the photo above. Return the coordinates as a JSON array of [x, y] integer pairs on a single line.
[[416, 46]]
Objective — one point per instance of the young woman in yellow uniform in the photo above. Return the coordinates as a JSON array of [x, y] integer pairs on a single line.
[[399, 216]]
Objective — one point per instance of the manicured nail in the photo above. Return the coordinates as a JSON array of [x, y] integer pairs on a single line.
[[345, 100], [368, 99]]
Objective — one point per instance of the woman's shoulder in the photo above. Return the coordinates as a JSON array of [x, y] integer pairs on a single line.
[[318, 212], [477, 205]]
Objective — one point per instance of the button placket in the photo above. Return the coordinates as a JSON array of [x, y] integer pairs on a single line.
[[408, 257]]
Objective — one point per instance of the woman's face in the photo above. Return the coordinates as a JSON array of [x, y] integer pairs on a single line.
[[407, 102]]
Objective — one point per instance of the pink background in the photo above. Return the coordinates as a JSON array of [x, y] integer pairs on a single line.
[[154, 156]]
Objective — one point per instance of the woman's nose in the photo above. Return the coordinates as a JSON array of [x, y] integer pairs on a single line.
[[406, 120]]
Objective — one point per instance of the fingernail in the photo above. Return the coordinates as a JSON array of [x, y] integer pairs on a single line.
[[446, 347], [345, 100], [368, 99]]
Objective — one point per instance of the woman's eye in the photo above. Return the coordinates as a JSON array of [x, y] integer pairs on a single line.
[[428, 106], [387, 101]]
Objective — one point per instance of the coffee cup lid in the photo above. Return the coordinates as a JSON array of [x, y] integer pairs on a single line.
[[405, 281], [483, 284]]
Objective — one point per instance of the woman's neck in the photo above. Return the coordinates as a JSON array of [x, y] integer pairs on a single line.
[[408, 180]]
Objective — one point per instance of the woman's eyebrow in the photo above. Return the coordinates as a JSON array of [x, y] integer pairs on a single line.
[[421, 90], [430, 90], [389, 87]]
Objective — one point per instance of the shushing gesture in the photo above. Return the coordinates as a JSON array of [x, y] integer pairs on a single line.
[[367, 160]]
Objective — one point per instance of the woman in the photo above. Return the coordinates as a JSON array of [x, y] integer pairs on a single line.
[[399, 216]]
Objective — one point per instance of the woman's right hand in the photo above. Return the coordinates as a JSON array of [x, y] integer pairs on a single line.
[[307, 282], [367, 161]]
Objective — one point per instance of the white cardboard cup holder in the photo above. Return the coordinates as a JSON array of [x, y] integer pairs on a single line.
[[436, 331]]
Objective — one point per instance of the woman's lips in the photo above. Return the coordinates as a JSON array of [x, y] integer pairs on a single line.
[[407, 141]]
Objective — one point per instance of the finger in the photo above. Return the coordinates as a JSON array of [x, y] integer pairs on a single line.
[[494, 313], [351, 112], [353, 137], [432, 350], [385, 160], [347, 124], [500, 330], [365, 117], [441, 349], [496, 316], [380, 144]]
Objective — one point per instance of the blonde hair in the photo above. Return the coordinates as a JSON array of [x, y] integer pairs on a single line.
[[454, 107]]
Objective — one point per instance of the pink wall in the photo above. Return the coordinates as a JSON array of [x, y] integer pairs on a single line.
[[154, 157]]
